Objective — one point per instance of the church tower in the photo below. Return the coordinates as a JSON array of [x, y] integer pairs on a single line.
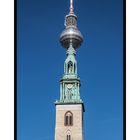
[[70, 107]]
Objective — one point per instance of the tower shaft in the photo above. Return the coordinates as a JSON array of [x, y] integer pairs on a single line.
[[70, 107]]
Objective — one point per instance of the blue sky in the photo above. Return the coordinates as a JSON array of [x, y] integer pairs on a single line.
[[40, 60]]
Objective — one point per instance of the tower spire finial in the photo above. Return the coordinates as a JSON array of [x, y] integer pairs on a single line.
[[71, 6]]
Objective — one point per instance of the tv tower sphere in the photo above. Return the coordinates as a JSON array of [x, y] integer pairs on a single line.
[[71, 34]]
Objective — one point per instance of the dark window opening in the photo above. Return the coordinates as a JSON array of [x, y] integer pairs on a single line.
[[74, 68], [70, 67], [68, 119], [68, 137]]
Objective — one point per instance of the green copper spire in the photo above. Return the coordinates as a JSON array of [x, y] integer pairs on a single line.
[[70, 66], [71, 39], [70, 82]]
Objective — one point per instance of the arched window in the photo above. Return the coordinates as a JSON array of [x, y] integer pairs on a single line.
[[68, 119], [70, 67]]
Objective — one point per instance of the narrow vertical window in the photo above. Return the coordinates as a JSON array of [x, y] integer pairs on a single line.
[[68, 119], [68, 137], [70, 67], [74, 68]]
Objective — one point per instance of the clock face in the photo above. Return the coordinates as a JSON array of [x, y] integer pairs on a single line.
[[69, 86]]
